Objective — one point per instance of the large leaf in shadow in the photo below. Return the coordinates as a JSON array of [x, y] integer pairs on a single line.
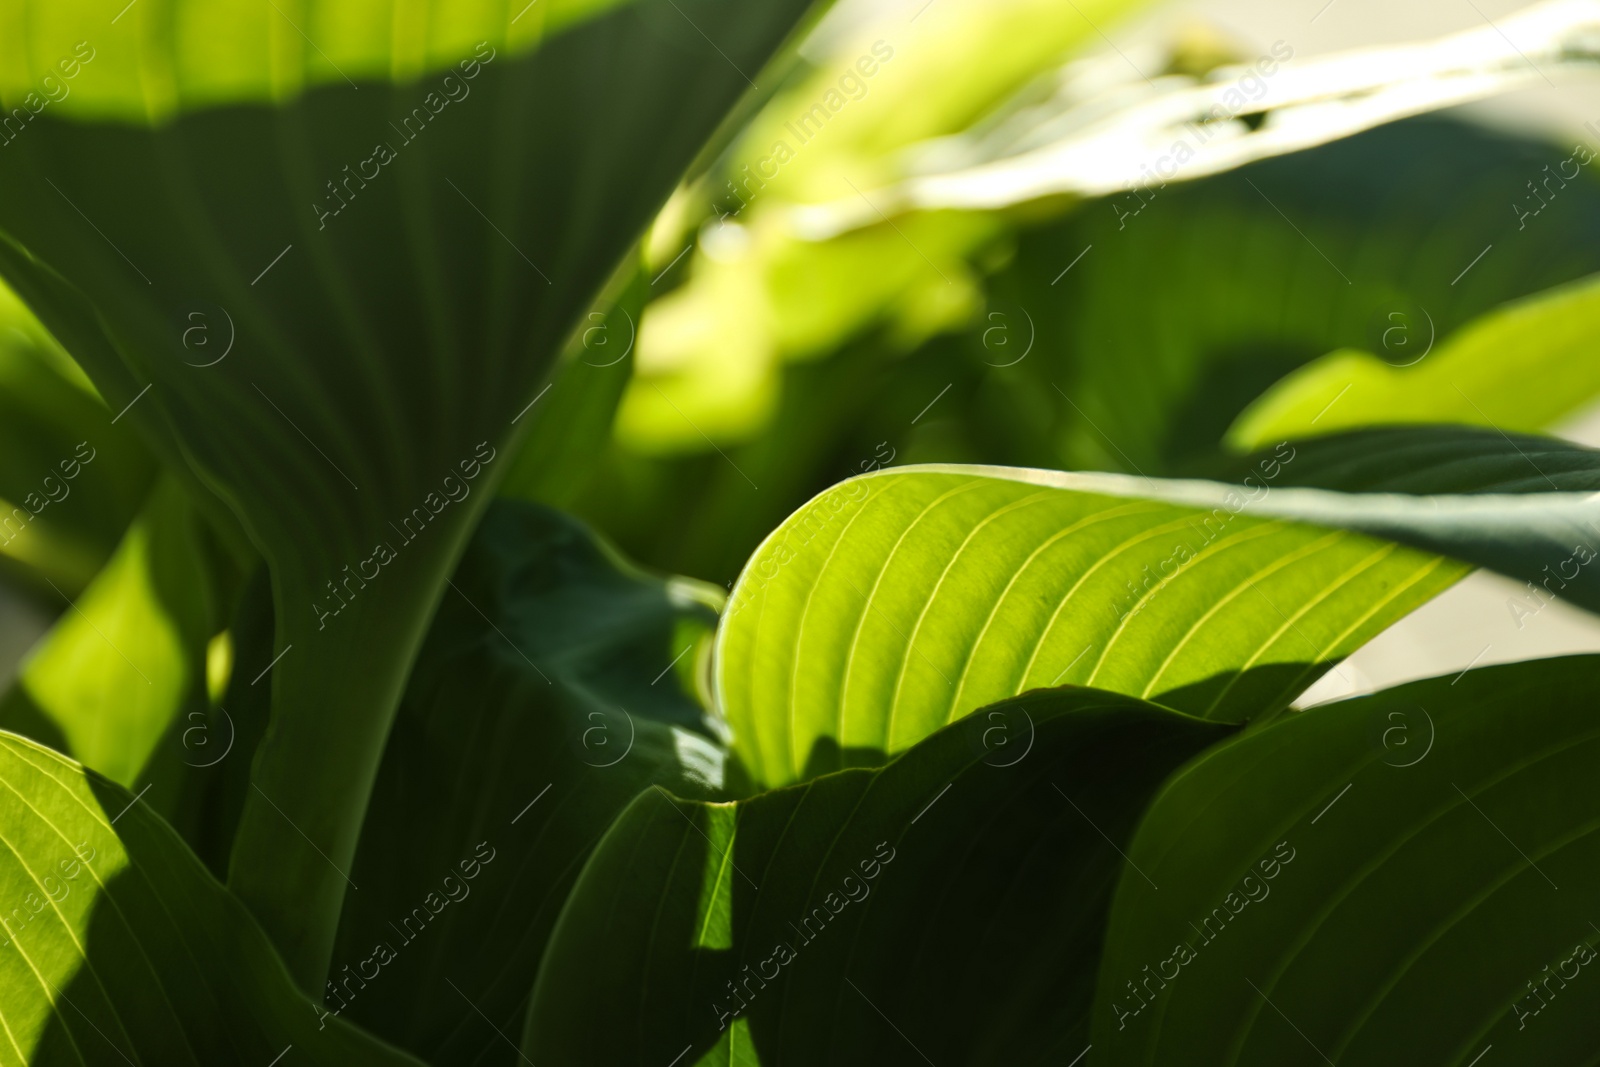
[[571, 417], [952, 901], [550, 691], [119, 947], [1397, 878], [902, 600], [1432, 461], [395, 217], [199, 775], [129, 656]]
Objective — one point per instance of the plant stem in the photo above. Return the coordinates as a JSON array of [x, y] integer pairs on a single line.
[[335, 690]]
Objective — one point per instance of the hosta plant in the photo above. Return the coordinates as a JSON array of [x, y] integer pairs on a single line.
[[331, 756]]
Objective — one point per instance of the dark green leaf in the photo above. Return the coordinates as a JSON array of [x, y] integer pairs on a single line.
[[70, 479], [1216, 290], [571, 418], [550, 691], [1401, 878], [950, 903]]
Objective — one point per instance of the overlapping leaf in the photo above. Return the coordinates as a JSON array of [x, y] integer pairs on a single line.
[[118, 946], [383, 221], [900, 601], [1216, 290], [1397, 878], [550, 691], [951, 901], [129, 656], [1521, 505], [1500, 370], [1207, 291]]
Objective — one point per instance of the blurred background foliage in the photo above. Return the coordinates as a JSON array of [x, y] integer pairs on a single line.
[[745, 364], [1123, 333]]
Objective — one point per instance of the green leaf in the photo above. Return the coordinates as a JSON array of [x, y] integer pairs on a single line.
[[394, 216], [1431, 461], [118, 946], [124, 661], [1495, 371], [951, 902], [1396, 878], [1521, 505], [900, 601], [571, 418], [550, 691], [200, 774], [71, 480]]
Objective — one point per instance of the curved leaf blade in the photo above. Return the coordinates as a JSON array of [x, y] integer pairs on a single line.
[[1524, 506], [119, 946], [1468, 380], [390, 307], [789, 926], [550, 691], [1416, 840], [900, 601]]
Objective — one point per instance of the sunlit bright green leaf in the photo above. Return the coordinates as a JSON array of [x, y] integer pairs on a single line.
[[1521, 367], [127, 658], [900, 601]]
